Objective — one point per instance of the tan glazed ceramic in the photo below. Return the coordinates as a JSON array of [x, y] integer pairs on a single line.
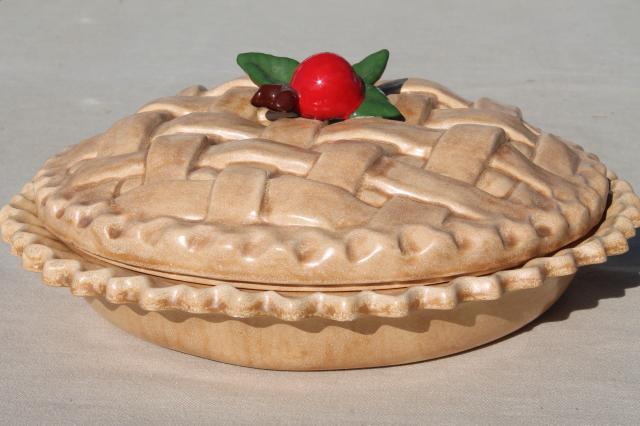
[[203, 225]]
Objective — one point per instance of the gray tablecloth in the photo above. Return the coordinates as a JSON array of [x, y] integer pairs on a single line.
[[68, 69]]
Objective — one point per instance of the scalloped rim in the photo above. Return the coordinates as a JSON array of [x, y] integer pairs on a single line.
[[43, 252]]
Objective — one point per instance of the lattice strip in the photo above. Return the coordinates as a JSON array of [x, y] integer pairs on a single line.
[[447, 118], [238, 100], [295, 201], [553, 155], [495, 183], [394, 178], [195, 90], [177, 198], [401, 210], [299, 132], [171, 157], [343, 163], [225, 87], [275, 156], [511, 162], [490, 104], [236, 195], [180, 105], [446, 98], [466, 144], [72, 155], [130, 134], [410, 140], [415, 107], [108, 168], [219, 126]]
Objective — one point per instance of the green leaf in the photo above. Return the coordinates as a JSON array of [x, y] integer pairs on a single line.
[[267, 69], [376, 104], [370, 69]]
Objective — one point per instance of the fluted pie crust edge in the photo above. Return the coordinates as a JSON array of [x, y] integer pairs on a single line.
[[41, 251]]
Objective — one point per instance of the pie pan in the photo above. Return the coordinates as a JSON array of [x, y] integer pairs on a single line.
[[202, 226]]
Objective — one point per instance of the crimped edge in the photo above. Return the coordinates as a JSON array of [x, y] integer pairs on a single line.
[[41, 251]]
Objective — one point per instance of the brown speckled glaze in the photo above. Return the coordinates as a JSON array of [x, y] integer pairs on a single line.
[[201, 187], [202, 226], [321, 344], [316, 331]]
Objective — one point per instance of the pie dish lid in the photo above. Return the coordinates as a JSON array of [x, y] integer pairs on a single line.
[[204, 187]]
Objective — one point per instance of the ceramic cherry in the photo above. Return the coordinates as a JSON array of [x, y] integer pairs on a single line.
[[323, 87], [327, 87]]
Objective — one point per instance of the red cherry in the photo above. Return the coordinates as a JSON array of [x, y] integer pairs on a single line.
[[327, 87]]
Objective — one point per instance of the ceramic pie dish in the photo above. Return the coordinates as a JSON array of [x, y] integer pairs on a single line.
[[415, 227]]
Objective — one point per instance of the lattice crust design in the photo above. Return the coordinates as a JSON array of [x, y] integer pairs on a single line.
[[202, 187]]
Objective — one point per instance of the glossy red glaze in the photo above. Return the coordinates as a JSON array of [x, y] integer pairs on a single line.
[[327, 87]]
